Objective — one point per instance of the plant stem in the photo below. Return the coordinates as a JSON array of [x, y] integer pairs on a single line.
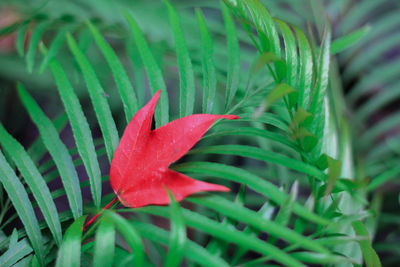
[[98, 214]]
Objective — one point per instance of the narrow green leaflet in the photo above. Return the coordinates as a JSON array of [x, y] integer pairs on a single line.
[[21, 35], [256, 183], [186, 76], [285, 211], [280, 91], [130, 235], [16, 192], [54, 48], [138, 69], [371, 55], [239, 10], [128, 95], [250, 131], [322, 78], [291, 55], [154, 73], [15, 253], [99, 101], [209, 71], [264, 59], [351, 19], [319, 259], [386, 73], [306, 69], [178, 234], [192, 250], [37, 150], [80, 130], [57, 150], [260, 154], [85, 40], [35, 182], [333, 174], [233, 56], [104, 244], [372, 105], [34, 43], [13, 238], [348, 40], [267, 118], [370, 257], [242, 214], [383, 177], [264, 24], [384, 25], [6, 30], [317, 107], [69, 254]]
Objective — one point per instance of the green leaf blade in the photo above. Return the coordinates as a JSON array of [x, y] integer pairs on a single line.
[[370, 257], [154, 73], [35, 182], [104, 244], [34, 43], [57, 149], [80, 130], [233, 56], [263, 155], [69, 254], [19, 198], [306, 69], [125, 88], [97, 95], [15, 253], [178, 234], [208, 65], [348, 40], [317, 107], [130, 235], [54, 48], [186, 82]]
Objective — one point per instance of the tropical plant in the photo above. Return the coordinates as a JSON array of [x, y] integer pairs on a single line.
[[307, 81]]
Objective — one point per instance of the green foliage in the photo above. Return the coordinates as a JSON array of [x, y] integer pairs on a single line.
[[251, 58]]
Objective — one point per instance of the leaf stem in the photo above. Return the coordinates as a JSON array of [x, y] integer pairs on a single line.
[[98, 214]]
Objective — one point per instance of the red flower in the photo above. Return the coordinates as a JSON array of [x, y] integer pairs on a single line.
[[139, 170]]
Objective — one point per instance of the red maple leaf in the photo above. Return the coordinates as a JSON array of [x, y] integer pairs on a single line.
[[139, 171]]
